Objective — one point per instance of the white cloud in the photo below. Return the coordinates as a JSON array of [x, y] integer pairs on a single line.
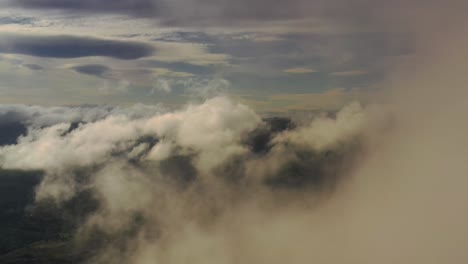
[[161, 85], [325, 132], [110, 87], [207, 88], [215, 138]]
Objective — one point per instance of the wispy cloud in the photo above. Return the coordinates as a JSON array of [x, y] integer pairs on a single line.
[[328, 100], [299, 70], [350, 73]]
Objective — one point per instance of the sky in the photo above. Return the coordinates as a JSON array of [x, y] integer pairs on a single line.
[[275, 56]]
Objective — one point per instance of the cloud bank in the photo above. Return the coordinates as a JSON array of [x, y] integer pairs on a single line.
[[192, 165], [216, 183]]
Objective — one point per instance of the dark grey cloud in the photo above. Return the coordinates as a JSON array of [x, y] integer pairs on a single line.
[[92, 69], [170, 10], [62, 46], [213, 12], [377, 15], [140, 7], [34, 67]]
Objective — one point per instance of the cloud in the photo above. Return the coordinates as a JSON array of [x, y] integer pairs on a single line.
[[207, 87], [161, 85], [299, 70], [184, 127], [368, 184], [347, 181], [220, 150], [92, 69], [325, 131], [111, 86], [189, 53], [40, 116], [140, 7], [220, 13], [157, 72], [8, 20], [350, 73], [331, 99], [193, 10], [60, 139], [34, 67], [72, 47], [180, 67]]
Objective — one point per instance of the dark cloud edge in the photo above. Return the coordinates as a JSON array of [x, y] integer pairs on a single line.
[[67, 47]]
